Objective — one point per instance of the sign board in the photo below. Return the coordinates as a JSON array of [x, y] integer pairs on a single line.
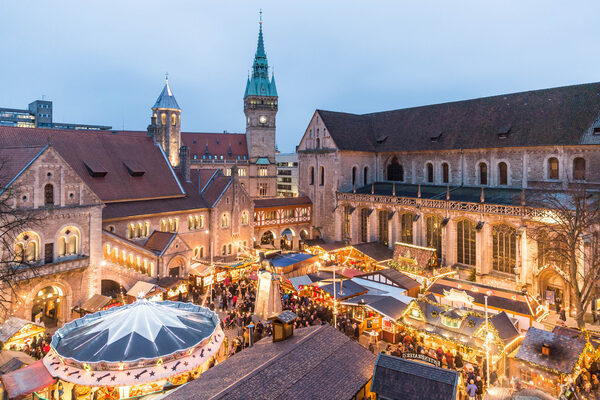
[[235, 273], [422, 357], [459, 296], [208, 280], [221, 276]]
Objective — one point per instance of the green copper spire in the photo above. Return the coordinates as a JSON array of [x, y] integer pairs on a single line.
[[259, 83]]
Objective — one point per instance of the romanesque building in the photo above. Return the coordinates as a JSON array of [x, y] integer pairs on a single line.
[[456, 177]]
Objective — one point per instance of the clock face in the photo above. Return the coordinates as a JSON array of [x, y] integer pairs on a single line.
[[262, 119]]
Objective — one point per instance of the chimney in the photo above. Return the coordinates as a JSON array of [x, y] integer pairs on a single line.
[[546, 349], [184, 162]]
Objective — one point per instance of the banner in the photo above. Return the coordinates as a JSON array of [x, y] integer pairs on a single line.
[[422, 357]]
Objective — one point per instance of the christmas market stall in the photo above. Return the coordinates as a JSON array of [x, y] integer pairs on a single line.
[[133, 350], [96, 303], [16, 333], [420, 263], [12, 360], [201, 275], [25, 381], [521, 307], [365, 257], [463, 331], [289, 265], [147, 290], [175, 288], [394, 278], [547, 360]]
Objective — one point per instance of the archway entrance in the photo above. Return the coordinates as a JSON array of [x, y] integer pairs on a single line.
[[47, 306], [176, 267], [111, 288], [267, 238], [303, 238], [287, 239], [553, 289]]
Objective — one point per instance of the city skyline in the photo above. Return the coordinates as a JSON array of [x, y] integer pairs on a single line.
[[105, 63]]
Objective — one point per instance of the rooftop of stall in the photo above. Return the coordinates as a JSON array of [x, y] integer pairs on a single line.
[[292, 264]]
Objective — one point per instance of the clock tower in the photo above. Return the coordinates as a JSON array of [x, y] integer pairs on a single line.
[[260, 108]]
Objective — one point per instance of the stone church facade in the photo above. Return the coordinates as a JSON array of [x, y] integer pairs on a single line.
[[457, 177]]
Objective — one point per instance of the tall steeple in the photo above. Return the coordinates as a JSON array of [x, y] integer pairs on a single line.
[[165, 125], [259, 83]]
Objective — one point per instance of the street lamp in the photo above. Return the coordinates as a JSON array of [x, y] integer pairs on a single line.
[[487, 345]]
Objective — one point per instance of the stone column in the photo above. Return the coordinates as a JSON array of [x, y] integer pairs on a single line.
[[373, 225], [419, 230], [484, 249], [449, 239]]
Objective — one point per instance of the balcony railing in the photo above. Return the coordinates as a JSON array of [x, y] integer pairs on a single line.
[[63, 264]]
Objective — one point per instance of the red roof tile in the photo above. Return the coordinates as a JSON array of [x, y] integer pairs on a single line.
[[282, 202], [14, 159], [159, 241], [229, 145], [109, 150]]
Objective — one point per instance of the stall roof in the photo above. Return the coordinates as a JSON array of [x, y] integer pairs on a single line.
[[413, 254], [387, 306], [397, 378], [95, 303], [142, 287], [287, 259], [13, 325], [592, 337], [201, 269], [375, 250], [25, 381], [12, 360], [308, 279], [317, 362], [382, 289], [345, 289], [564, 351], [393, 277], [169, 282]]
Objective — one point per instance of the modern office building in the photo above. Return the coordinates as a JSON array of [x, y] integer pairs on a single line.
[[287, 174]]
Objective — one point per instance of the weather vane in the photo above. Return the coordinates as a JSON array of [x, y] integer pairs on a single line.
[[260, 12]]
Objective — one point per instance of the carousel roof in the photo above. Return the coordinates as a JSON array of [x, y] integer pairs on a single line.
[[141, 330]]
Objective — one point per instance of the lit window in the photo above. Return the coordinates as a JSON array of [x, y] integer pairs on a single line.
[[173, 119], [466, 242], [68, 242], [163, 119], [262, 189], [553, 168], [245, 218], [228, 171], [242, 172], [262, 171], [225, 220], [504, 244]]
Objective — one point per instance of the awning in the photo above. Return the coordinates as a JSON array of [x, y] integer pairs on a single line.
[[11, 360], [200, 269], [142, 289], [25, 381], [95, 303]]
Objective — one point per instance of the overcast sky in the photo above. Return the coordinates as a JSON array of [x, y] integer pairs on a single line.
[[103, 62]]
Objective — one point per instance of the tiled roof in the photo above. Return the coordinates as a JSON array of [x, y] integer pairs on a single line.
[[375, 250], [317, 362], [110, 151], [564, 351], [506, 329], [166, 99], [396, 277], [420, 255], [397, 378], [12, 326], [229, 145], [282, 202], [14, 159], [557, 116], [159, 241], [345, 289]]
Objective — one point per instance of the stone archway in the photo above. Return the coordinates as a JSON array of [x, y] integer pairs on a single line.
[[176, 267], [51, 301], [288, 239], [267, 238], [111, 288], [553, 289]]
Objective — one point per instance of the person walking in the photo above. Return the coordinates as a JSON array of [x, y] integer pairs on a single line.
[[479, 385], [472, 390]]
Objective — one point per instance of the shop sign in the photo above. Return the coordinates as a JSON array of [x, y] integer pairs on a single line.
[[235, 273], [208, 280], [459, 296], [221, 276], [422, 357]]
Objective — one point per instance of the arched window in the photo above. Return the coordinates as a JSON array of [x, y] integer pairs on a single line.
[[445, 173], [321, 176], [434, 233], [130, 231], [395, 172], [406, 226], [504, 244], [318, 143], [579, 169], [224, 250], [465, 242], [27, 247], [229, 248], [312, 175], [364, 223], [173, 119], [553, 168], [196, 252], [429, 168], [383, 227], [225, 220], [245, 217], [68, 242], [353, 176], [49, 194], [483, 178], [163, 119], [366, 176], [502, 173]]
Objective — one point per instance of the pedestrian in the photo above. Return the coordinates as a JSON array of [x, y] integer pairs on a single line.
[[563, 314], [356, 332], [479, 385], [472, 390]]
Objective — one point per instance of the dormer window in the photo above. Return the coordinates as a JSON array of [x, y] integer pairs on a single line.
[[504, 132]]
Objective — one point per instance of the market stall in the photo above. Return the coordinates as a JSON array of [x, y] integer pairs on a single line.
[[16, 333], [289, 265], [420, 263], [147, 290], [365, 257], [129, 351], [96, 303], [12, 360], [174, 288], [25, 381]]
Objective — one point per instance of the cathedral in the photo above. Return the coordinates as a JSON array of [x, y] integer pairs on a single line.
[[455, 177]]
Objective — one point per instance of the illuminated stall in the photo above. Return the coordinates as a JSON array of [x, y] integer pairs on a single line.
[[16, 333], [377, 314], [365, 257], [173, 287], [147, 290], [133, 350], [420, 263]]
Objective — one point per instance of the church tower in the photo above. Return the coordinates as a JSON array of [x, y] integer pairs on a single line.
[[165, 126], [260, 108]]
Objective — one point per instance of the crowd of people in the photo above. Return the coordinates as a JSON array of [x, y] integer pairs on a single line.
[[587, 383], [38, 347]]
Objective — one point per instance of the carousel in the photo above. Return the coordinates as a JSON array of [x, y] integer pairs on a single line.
[[133, 350]]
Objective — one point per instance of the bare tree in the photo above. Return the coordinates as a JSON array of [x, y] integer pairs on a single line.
[[567, 239]]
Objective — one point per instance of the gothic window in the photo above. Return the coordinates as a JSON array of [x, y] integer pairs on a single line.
[[49, 194], [229, 248], [502, 173], [434, 233], [553, 168], [224, 250], [346, 223], [465, 242], [322, 176], [262, 171], [429, 168], [262, 189], [225, 220], [395, 172], [383, 227], [318, 143], [242, 172], [146, 229], [406, 226], [579, 169], [173, 119], [504, 246], [312, 175], [366, 176], [483, 178], [445, 173], [364, 221], [68, 242], [163, 119], [353, 176], [164, 227], [245, 218]]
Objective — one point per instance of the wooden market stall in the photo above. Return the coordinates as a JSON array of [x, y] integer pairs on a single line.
[[175, 288], [420, 263], [15, 333], [365, 257], [147, 290], [96, 303], [394, 278], [377, 314]]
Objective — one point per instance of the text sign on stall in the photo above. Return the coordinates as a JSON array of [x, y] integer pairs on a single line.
[[422, 357], [208, 280], [221, 276]]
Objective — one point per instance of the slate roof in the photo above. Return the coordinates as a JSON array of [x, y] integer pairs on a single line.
[[420, 255], [12, 326], [13, 161], [95, 303], [397, 378], [286, 317], [564, 351], [506, 329], [385, 305], [499, 298], [396, 277], [556, 116], [282, 202], [345, 290], [166, 99], [232, 146], [375, 250], [159, 241], [318, 362]]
